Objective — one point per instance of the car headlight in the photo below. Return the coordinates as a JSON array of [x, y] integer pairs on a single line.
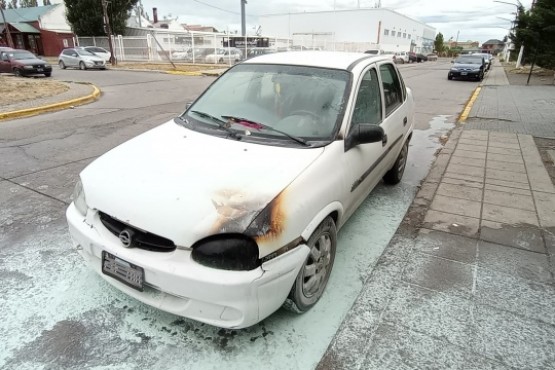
[[227, 252], [28, 67], [454, 69], [79, 198], [47, 66]]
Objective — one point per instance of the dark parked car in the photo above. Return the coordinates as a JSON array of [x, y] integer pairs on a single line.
[[23, 63], [431, 57], [468, 67], [417, 57]]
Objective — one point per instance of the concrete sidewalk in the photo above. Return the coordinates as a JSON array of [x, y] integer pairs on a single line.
[[468, 282]]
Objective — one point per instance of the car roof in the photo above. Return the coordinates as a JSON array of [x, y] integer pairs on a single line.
[[322, 59]]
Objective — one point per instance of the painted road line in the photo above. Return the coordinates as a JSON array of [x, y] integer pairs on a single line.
[[469, 104]]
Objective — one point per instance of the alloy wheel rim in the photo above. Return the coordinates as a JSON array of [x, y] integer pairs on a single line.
[[316, 266]]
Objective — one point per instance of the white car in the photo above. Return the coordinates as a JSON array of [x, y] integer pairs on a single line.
[[231, 210], [401, 57], [101, 52], [80, 58], [224, 55]]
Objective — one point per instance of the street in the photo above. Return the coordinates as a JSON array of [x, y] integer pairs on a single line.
[[63, 316]]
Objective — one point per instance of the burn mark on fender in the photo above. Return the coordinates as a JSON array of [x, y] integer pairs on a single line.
[[235, 210], [269, 224]]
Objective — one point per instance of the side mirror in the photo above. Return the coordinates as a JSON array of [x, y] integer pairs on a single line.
[[363, 133]]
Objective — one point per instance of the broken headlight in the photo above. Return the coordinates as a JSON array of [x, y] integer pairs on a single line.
[[227, 252]]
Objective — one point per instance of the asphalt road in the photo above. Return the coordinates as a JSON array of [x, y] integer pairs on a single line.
[[57, 314]]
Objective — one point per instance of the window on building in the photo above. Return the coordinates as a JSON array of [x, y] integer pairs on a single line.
[[392, 33], [404, 35], [386, 32], [409, 35], [399, 34]]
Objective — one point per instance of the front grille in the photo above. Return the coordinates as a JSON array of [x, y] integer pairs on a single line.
[[141, 239]]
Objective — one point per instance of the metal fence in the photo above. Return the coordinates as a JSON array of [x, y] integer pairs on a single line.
[[158, 45]]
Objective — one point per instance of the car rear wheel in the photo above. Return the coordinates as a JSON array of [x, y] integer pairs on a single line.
[[221, 61], [395, 174], [313, 276], [82, 66], [62, 64], [17, 72]]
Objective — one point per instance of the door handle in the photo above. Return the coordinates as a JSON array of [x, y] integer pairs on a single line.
[[405, 120], [384, 140]]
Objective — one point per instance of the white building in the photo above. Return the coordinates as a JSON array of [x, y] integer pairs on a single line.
[[351, 30]]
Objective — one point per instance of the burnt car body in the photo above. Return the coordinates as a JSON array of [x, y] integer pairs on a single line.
[[23, 63]]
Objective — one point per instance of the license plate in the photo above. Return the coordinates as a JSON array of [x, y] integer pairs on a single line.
[[463, 73], [121, 270], [39, 69]]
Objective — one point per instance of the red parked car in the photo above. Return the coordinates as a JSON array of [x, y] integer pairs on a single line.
[[23, 63]]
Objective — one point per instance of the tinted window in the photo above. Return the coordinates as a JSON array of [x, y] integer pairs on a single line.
[[368, 106], [393, 94]]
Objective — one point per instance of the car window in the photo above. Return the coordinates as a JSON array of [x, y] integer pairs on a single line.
[[21, 55], [368, 106], [393, 94]]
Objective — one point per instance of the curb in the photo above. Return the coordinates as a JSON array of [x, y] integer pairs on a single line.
[[468, 107], [53, 107]]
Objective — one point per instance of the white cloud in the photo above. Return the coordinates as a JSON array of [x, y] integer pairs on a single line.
[[477, 20]]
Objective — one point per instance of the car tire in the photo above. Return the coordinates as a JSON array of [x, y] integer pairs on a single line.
[[315, 272], [82, 66], [221, 61], [449, 77], [395, 174], [17, 72], [48, 74], [62, 64]]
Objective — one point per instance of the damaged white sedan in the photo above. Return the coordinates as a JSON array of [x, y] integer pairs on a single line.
[[231, 210]]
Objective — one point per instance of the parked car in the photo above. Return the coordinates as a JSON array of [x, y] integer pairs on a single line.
[[5, 48], [468, 67], [80, 58], [254, 52], [101, 52], [431, 57], [401, 57], [487, 59], [224, 55], [231, 210], [417, 57], [23, 63]]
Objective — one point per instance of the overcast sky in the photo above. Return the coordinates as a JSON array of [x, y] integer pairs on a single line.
[[476, 20]]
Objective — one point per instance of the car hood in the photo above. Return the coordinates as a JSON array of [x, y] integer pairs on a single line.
[[185, 185], [30, 62]]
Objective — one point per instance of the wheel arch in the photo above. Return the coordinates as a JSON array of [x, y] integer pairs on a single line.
[[334, 210]]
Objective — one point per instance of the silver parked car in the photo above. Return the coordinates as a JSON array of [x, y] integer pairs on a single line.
[[101, 52], [224, 55], [80, 58]]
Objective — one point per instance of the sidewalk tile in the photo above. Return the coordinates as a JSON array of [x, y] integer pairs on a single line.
[[462, 169], [504, 151], [465, 141], [475, 134], [460, 176], [460, 191], [516, 262], [545, 204], [397, 347], [506, 291], [539, 178], [503, 144], [473, 184], [451, 223], [528, 238], [440, 274], [495, 174], [500, 198], [506, 166], [508, 184], [517, 341], [468, 161], [469, 154], [456, 206], [503, 136], [473, 148], [508, 215], [508, 189], [446, 245], [506, 158]]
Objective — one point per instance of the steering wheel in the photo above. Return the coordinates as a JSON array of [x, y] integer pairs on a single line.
[[303, 112]]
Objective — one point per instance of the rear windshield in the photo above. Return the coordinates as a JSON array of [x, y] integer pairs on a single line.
[[469, 60]]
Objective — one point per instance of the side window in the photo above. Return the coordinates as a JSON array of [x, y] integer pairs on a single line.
[[393, 93], [368, 106]]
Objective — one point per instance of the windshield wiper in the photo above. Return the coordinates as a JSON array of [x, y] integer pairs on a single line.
[[258, 126], [221, 123]]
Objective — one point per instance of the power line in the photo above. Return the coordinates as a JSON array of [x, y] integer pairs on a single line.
[[215, 7]]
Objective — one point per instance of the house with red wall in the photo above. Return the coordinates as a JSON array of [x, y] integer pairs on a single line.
[[42, 30]]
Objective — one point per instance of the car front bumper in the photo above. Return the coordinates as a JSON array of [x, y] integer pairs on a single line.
[[36, 71], [177, 284], [465, 74]]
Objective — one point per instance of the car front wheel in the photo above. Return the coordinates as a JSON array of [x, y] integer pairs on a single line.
[[48, 74], [395, 174], [82, 66], [62, 64], [17, 72], [313, 276]]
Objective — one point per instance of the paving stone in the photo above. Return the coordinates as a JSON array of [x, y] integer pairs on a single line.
[[446, 245], [469, 141], [517, 262], [508, 215], [473, 148], [506, 166], [495, 174], [469, 154], [460, 191], [504, 151], [506, 158], [507, 199], [468, 161], [440, 274], [462, 169], [508, 190], [523, 237], [459, 176], [475, 134], [474, 184], [448, 222], [508, 184], [545, 204], [539, 178], [457, 206], [502, 136], [503, 144]]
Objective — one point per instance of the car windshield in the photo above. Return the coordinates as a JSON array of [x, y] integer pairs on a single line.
[[303, 102], [469, 60], [84, 52], [21, 55]]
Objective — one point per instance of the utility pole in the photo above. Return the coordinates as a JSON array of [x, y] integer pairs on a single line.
[[108, 30], [521, 52], [243, 24], [7, 27]]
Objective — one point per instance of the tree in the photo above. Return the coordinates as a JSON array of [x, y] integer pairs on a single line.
[[86, 19], [3, 4], [438, 43], [28, 3], [535, 29], [12, 4]]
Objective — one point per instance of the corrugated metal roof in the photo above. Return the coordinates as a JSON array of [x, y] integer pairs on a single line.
[[21, 15], [24, 28]]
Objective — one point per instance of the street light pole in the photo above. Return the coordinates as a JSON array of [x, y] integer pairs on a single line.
[[521, 51]]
